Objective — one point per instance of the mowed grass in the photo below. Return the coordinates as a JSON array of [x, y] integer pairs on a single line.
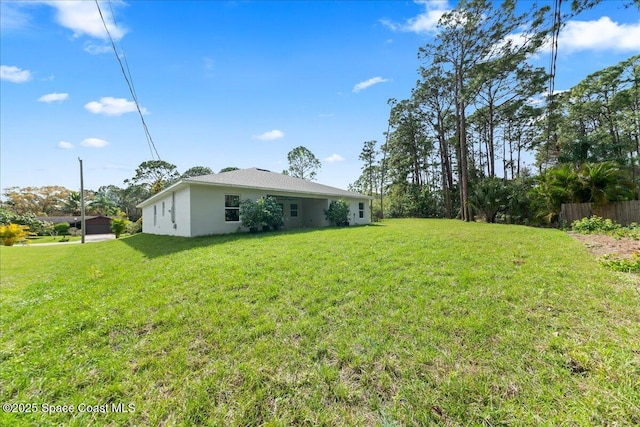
[[411, 322]]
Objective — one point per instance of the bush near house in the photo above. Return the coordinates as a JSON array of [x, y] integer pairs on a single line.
[[338, 213], [264, 212], [135, 226]]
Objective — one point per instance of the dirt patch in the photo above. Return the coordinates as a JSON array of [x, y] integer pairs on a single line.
[[601, 245]]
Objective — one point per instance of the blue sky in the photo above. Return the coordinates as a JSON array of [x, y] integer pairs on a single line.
[[228, 83]]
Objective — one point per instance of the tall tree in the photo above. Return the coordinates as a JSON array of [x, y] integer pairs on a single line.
[[302, 163], [154, 175], [102, 204], [229, 169], [476, 42], [48, 200], [368, 156], [197, 171], [434, 94]]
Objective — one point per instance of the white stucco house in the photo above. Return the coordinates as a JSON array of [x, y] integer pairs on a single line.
[[210, 204]]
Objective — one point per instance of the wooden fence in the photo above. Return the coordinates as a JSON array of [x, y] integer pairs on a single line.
[[621, 212]]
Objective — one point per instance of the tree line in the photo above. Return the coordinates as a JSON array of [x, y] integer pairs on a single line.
[[458, 146], [150, 177]]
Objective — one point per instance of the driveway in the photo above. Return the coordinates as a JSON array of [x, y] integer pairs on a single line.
[[98, 237], [89, 238]]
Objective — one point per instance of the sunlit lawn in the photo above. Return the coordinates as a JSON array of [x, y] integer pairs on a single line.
[[412, 322], [32, 240]]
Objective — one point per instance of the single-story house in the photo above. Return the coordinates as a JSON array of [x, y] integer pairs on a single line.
[[210, 204], [97, 224]]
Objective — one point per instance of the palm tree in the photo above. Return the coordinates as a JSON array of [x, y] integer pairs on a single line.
[[102, 205], [603, 183], [73, 203]]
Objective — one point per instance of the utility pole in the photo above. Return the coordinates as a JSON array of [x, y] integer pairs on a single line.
[[82, 222]]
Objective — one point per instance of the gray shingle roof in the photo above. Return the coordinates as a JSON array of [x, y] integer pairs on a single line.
[[266, 180]]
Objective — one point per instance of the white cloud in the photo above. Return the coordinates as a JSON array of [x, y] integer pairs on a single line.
[[368, 83], [334, 158], [83, 18], [14, 74], [425, 22], [65, 145], [270, 135], [54, 97], [96, 49], [11, 18], [94, 142], [110, 106], [602, 34]]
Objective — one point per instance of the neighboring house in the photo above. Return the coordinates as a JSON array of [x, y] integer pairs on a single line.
[[94, 224], [210, 204]]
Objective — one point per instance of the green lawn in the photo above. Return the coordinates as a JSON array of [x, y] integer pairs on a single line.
[[412, 322], [49, 239]]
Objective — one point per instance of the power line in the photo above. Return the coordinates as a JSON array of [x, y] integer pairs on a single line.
[[129, 80], [557, 23]]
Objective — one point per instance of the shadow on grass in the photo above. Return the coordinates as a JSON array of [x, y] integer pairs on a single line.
[[153, 246]]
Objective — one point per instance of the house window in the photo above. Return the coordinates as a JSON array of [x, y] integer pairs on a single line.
[[155, 214], [231, 208], [361, 209], [162, 208], [293, 210]]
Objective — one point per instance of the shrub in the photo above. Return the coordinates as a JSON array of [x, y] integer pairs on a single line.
[[7, 217], [12, 233], [265, 212], [338, 213], [135, 226], [250, 215], [489, 197], [41, 228], [119, 225], [594, 225], [62, 228], [626, 265], [272, 215]]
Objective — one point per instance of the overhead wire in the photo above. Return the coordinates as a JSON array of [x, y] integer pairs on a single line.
[[129, 80], [555, 35]]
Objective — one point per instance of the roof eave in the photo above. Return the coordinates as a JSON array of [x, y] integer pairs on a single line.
[[218, 184]]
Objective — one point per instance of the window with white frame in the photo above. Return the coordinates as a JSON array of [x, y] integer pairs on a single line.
[[361, 209], [162, 208], [231, 208], [155, 214], [293, 210]]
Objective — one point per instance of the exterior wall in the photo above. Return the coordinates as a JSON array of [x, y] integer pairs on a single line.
[[208, 210], [354, 212], [200, 211], [292, 221], [173, 220], [314, 212]]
